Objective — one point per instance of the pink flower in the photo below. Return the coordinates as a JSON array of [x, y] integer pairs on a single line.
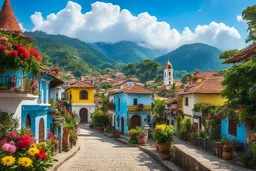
[[28, 37], [50, 134], [5, 147], [12, 135], [3, 39], [9, 45], [33, 139], [12, 149], [4, 141], [3, 48]]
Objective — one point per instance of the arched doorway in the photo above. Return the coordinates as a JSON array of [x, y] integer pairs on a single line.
[[135, 121], [122, 125], [28, 122], [41, 130], [83, 115]]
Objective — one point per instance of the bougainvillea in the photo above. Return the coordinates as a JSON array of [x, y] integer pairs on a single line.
[[16, 52]]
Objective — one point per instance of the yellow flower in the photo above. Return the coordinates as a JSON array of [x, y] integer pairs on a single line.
[[8, 160], [33, 151], [25, 162], [161, 127]]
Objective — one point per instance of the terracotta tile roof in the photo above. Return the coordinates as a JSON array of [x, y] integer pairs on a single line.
[[247, 54], [56, 81], [207, 74], [81, 84], [7, 18], [134, 89], [207, 86]]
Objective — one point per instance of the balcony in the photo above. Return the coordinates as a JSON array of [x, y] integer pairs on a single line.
[[139, 108], [13, 86]]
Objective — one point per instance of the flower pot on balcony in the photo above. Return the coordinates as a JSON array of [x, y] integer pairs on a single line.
[[163, 147], [227, 155]]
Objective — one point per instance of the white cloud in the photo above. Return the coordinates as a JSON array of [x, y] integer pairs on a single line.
[[108, 23], [239, 18], [22, 27]]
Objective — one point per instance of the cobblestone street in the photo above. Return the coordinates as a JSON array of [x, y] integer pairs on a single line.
[[99, 152]]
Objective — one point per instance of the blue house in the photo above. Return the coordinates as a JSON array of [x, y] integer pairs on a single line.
[[133, 105], [233, 130], [27, 96]]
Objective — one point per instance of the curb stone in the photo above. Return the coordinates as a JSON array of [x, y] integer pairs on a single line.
[[60, 162]]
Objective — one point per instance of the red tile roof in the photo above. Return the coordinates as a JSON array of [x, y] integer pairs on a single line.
[[8, 21], [134, 89], [207, 86], [247, 54], [81, 84]]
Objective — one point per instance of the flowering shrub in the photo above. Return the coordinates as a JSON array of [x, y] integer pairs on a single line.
[[133, 133], [19, 151], [226, 147], [163, 134], [56, 70], [16, 52]]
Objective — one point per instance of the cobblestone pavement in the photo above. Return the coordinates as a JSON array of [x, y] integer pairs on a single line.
[[99, 152]]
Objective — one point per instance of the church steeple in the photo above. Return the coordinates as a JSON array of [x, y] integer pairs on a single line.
[[8, 20], [168, 73]]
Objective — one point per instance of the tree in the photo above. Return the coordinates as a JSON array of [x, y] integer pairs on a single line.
[[104, 103], [228, 54], [249, 15], [106, 85], [158, 109], [240, 89]]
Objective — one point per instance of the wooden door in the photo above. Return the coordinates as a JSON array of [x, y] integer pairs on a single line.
[[83, 115], [122, 125], [135, 121], [41, 130]]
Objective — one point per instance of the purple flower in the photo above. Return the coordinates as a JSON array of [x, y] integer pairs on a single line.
[[12, 149], [12, 135], [5, 147]]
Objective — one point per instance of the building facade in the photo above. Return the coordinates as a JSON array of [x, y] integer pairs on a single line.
[[80, 96], [133, 105]]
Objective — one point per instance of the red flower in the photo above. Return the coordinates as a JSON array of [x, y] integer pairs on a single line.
[[57, 70], [3, 48], [210, 117], [41, 155], [19, 45], [25, 55], [38, 156], [14, 54], [21, 49], [34, 52], [50, 134], [23, 142], [38, 59], [28, 37]]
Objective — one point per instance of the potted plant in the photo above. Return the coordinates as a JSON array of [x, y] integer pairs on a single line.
[[141, 138], [227, 152], [165, 155], [253, 135], [237, 147], [140, 106], [163, 135]]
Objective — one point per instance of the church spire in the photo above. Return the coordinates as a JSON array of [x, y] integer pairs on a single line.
[[8, 20]]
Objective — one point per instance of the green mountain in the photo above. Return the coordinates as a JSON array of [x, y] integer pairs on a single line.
[[70, 54], [194, 56], [126, 52]]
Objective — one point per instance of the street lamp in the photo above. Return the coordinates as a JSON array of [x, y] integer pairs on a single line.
[[146, 128]]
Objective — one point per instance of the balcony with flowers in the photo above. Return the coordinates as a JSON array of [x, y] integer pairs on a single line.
[[139, 107], [19, 66]]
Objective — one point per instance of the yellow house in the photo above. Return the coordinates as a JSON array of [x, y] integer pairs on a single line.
[[203, 90], [80, 96]]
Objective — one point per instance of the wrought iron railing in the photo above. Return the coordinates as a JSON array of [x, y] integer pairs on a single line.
[[15, 84]]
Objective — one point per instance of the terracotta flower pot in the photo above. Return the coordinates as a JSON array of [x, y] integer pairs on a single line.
[[163, 147], [165, 156], [253, 136], [227, 155]]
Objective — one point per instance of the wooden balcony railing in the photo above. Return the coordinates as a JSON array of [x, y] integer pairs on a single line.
[[137, 108]]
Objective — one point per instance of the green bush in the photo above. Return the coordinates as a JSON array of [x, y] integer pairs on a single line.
[[99, 119], [7, 123], [186, 127], [133, 133]]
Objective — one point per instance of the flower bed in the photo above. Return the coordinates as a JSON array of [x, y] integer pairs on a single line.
[[20, 151]]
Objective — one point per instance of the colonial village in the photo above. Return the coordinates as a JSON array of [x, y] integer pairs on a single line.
[[52, 119]]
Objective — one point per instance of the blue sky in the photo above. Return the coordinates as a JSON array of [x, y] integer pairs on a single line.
[[177, 13]]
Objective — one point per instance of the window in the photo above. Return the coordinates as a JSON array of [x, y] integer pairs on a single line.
[[135, 102], [186, 101], [169, 74], [118, 104], [28, 122], [83, 95], [232, 127]]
